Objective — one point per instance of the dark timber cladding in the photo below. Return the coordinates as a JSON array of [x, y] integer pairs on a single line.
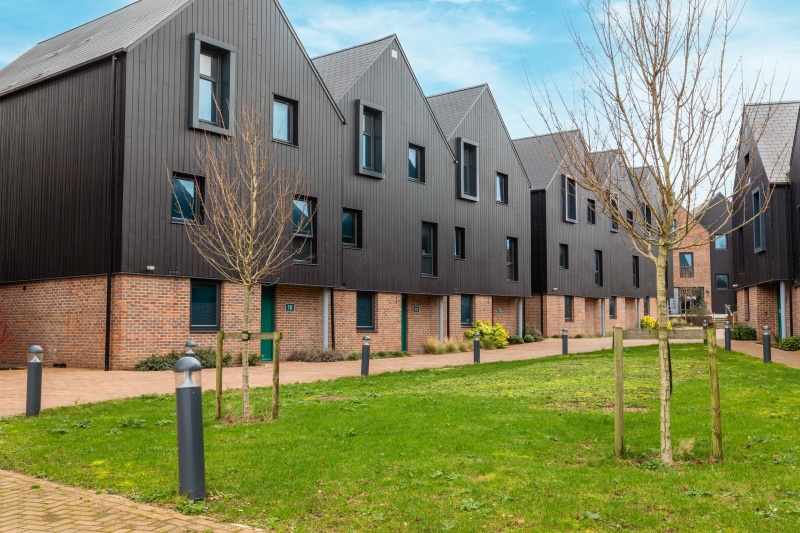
[[471, 114], [270, 62], [721, 257], [770, 164], [54, 147]]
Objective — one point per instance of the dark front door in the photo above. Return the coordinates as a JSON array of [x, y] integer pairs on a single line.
[[267, 319]]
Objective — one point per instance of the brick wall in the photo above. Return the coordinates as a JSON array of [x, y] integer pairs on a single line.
[[386, 335], [702, 260], [758, 306], [423, 324], [587, 315], [301, 328], [505, 311], [66, 317]]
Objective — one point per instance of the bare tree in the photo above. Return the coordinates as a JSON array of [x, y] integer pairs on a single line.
[[253, 216], [657, 88]]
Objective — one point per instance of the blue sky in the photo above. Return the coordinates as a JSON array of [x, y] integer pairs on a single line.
[[452, 43]]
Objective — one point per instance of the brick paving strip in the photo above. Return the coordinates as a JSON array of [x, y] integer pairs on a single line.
[[53, 507]]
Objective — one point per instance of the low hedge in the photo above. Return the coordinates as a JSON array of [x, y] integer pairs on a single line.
[[206, 356], [742, 332], [791, 344]]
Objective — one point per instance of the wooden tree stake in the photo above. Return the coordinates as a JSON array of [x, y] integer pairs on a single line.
[[619, 404], [713, 376]]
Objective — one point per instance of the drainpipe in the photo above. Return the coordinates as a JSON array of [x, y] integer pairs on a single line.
[[325, 302], [111, 211], [520, 318], [541, 315], [782, 308], [441, 318], [333, 322], [603, 317]]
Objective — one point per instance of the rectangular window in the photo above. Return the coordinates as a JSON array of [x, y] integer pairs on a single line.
[[591, 214], [636, 271], [612, 307], [647, 214], [416, 163], [614, 210], [759, 230], [598, 268], [304, 240], [466, 310], [721, 242], [460, 251], [371, 154], [568, 308], [563, 256], [646, 306], [501, 189], [687, 264], [351, 228], [511, 259], [212, 88], [468, 175], [187, 202], [722, 282], [629, 217], [428, 249], [365, 311], [569, 191], [284, 120], [204, 306]]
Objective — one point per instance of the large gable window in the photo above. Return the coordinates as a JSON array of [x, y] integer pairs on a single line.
[[213, 84], [372, 126], [468, 170]]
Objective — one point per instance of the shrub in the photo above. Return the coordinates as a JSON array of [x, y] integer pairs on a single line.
[[533, 331], [488, 343], [791, 343], [485, 330], [253, 359], [447, 345], [529, 338], [742, 332], [316, 356], [649, 322], [206, 356], [355, 356], [516, 339]]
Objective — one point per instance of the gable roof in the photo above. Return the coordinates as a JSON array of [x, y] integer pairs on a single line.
[[541, 156], [341, 69], [777, 138], [102, 37], [451, 108]]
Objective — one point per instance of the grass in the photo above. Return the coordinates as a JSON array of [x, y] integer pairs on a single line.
[[520, 446]]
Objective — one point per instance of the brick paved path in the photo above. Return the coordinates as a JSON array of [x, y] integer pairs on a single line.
[[69, 386], [52, 507]]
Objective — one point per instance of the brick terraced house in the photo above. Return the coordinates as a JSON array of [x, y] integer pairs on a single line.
[[421, 218]]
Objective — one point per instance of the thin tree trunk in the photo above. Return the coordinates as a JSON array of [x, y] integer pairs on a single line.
[[663, 353], [245, 361]]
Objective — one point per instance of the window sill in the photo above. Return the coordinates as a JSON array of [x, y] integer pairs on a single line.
[[421, 182], [428, 276], [184, 222], [371, 173], [285, 143], [568, 221], [204, 329], [468, 198], [304, 263], [512, 281], [351, 247], [366, 330], [460, 258], [498, 202], [199, 125], [568, 320]]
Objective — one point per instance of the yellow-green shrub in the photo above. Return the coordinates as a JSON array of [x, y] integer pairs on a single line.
[[649, 322], [485, 330]]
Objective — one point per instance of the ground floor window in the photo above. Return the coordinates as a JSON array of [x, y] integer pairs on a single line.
[[466, 310], [612, 307], [647, 306], [690, 297], [365, 311], [568, 308], [204, 306]]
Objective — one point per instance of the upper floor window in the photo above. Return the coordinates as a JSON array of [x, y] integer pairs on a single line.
[[371, 154], [647, 214], [759, 229], [614, 211], [213, 87], [629, 217], [459, 239], [563, 256], [636, 271], [501, 189], [428, 249], [416, 163], [187, 204], [598, 268], [284, 120], [304, 240], [722, 282], [511, 259], [687, 264], [591, 212], [721, 242], [468, 176], [351, 228], [569, 191]]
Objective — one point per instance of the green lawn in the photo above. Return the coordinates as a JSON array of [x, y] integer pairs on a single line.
[[522, 446]]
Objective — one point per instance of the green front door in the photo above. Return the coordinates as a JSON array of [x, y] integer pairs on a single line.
[[267, 319], [404, 324]]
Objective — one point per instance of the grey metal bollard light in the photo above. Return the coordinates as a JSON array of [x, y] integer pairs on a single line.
[[727, 336], [33, 403], [705, 327], [767, 339], [564, 342], [189, 406], [365, 357], [476, 348]]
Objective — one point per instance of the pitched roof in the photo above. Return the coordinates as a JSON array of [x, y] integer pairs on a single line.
[[541, 156], [777, 138], [102, 37], [452, 107], [341, 69]]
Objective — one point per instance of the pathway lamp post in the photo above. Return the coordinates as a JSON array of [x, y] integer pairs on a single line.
[[189, 406], [33, 404]]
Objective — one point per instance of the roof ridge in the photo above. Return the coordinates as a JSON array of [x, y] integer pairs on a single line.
[[88, 22], [458, 90], [394, 35], [545, 135], [779, 102]]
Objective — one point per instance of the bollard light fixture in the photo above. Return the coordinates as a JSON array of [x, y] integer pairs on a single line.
[[189, 423], [33, 396], [188, 372], [35, 354]]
